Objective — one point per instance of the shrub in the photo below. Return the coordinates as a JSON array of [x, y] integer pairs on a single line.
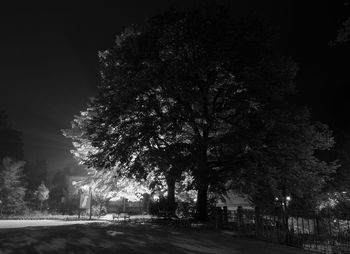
[[159, 206], [186, 209]]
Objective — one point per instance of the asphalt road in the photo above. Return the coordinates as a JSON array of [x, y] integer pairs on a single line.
[[39, 223], [127, 238]]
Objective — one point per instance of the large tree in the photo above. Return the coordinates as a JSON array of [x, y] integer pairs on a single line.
[[197, 90]]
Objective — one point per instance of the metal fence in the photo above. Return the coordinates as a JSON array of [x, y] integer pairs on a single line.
[[317, 232]]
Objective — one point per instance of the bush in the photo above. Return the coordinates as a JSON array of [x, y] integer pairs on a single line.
[[160, 206], [186, 209]]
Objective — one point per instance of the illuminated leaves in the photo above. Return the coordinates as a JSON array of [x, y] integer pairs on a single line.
[[12, 188]]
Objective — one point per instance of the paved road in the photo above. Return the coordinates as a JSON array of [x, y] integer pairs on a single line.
[[129, 238], [39, 223]]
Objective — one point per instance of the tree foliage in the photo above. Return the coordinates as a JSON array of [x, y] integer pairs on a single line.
[[340, 179], [12, 187], [108, 184], [11, 144], [284, 162], [42, 194], [203, 92], [58, 191], [35, 173]]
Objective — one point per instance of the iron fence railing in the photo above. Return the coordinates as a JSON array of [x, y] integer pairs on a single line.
[[323, 233]]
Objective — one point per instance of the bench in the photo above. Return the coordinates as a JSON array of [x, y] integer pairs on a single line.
[[164, 213], [121, 216]]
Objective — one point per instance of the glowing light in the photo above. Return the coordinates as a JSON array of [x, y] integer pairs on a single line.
[[288, 198]]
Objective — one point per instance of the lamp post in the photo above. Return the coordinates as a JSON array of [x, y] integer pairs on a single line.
[[90, 189], [283, 203]]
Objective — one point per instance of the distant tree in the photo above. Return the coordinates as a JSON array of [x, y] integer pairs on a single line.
[[11, 144], [12, 186], [35, 173], [58, 192], [340, 179], [74, 169], [42, 194], [203, 92], [343, 34]]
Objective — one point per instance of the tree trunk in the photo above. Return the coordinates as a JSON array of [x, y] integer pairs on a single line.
[[202, 202], [171, 195], [202, 182]]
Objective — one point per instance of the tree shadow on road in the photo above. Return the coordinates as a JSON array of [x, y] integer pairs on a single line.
[[126, 238]]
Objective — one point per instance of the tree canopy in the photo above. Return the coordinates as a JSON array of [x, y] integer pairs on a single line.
[[35, 174], [204, 92], [12, 187]]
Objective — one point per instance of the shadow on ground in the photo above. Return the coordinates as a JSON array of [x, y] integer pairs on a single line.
[[129, 238]]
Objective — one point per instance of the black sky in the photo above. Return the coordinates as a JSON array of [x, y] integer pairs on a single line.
[[49, 65]]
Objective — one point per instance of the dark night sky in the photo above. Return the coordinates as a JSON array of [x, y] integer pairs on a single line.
[[49, 69]]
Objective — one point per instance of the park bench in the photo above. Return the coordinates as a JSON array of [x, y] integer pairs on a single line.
[[164, 213], [122, 215]]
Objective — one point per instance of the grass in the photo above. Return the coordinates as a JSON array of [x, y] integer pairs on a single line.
[[37, 215]]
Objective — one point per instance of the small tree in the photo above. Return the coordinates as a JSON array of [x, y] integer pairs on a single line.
[[12, 190], [42, 194]]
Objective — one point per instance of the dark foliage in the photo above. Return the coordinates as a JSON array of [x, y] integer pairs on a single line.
[[202, 91], [11, 144], [35, 173]]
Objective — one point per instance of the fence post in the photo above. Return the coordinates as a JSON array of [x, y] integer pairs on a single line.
[[240, 218], [225, 222], [286, 222], [348, 232], [339, 231], [257, 222], [309, 231], [315, 228], [303, 228], [329, 224], [218, 217]]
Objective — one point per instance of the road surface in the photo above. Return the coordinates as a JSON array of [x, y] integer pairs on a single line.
[[39, 223], [108, 237]]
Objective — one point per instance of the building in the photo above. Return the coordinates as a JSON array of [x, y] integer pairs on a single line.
[[72, 188], [232, 200]]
